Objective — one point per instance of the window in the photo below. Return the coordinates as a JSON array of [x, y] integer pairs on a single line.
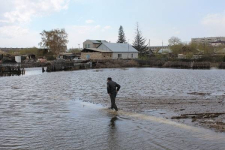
[[87, 45], [119, 55], [88, 56], [132, 55]]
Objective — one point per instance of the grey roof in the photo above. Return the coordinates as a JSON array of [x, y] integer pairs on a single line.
[[120, 47], [165, 50], [97, 41]]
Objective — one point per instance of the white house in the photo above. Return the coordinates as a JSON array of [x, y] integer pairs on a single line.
[[120, 50], [107, 50]]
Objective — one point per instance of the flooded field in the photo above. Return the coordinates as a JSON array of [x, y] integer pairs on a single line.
[[56, 110]]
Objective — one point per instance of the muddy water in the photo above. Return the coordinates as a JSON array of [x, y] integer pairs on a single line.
[[45, 111]]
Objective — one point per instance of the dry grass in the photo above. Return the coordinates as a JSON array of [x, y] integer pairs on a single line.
[[117, 64], [177, 64]]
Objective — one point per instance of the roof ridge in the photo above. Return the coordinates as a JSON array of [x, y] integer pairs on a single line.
[[106, 46]]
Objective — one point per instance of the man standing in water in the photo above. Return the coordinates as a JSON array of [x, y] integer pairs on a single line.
[[112, 89]]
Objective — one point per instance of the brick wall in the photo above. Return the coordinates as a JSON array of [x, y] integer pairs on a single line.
[[96, 55]]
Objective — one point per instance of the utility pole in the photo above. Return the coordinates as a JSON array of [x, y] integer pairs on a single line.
[[149, 49], [128, 49]]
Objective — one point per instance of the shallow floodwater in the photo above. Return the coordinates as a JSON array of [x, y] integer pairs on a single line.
[[45, 111]]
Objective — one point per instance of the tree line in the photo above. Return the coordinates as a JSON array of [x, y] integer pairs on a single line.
[[139, 40], [56, 40], [193, 48]]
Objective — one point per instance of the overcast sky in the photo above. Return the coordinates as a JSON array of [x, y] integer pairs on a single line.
[[22, 21]]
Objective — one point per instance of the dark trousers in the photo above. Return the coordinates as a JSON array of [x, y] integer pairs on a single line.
[[113, 101]]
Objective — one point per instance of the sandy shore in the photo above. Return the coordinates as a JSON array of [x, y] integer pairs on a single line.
[[196, 110]]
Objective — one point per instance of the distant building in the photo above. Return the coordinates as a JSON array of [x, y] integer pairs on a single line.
[[181, 56], [68, 56], [18, 59], [93, 43], [208, 40], [218, 43], [110, 51], [165, 50], [155, 49]]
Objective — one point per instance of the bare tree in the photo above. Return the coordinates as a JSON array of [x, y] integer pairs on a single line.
[[56, 40], [174, 41]]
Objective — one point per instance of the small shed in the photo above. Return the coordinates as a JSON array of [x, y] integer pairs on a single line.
[[94, 53], [69, 56], [18, 59]]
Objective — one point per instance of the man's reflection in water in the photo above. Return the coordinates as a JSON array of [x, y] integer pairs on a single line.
[[112, 122], [113, 134]]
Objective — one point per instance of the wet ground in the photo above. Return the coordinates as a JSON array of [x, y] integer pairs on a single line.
[[47, 111]]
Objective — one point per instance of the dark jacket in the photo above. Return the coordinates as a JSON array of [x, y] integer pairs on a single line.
[[112, 87]]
